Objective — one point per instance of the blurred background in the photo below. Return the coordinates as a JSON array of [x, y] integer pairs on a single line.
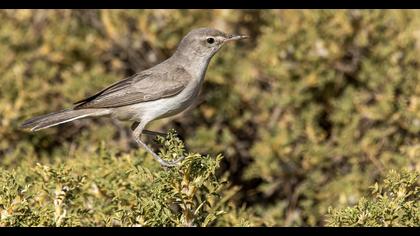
[[316, 106]]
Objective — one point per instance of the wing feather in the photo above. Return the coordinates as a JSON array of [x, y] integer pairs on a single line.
[[141, 87]]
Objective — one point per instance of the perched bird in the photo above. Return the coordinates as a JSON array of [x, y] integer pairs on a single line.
[[161, 91]]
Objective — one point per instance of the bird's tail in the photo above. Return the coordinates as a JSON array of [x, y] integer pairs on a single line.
[[56, 118]]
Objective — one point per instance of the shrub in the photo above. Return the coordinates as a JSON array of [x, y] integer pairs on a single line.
[[307, 113], [107, 190], [393, 203]]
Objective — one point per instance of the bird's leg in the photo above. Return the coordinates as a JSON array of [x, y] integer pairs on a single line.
[[149, 132], [145, 131], [137, 133]]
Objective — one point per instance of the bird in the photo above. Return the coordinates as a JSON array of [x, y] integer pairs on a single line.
[[161, 91]]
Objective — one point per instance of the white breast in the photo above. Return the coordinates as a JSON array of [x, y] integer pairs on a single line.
[[152, 110], [169, 106]]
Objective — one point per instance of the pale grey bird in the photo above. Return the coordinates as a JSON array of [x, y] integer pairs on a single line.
[[161, 91]]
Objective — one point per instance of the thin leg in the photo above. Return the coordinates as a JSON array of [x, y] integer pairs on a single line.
[[137, 133], [149, 132], [145, 131]]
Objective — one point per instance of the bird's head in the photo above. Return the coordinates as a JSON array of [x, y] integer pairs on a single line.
[[205, 42]]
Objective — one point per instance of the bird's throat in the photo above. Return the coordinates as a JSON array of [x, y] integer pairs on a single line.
[[197, 66]]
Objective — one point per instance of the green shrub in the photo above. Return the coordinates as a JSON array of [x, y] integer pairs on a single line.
[[393, 203], [107, 190], [307, 113]]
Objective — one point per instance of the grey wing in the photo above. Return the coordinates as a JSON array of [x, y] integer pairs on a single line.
[[142, 87]]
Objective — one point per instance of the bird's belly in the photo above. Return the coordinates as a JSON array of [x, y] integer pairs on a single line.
[[161, 108], [174, 105]]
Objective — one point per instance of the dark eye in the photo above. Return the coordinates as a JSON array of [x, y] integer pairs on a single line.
[[210, 40]]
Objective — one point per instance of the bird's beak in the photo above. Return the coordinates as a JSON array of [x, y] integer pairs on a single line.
[[235, 37]]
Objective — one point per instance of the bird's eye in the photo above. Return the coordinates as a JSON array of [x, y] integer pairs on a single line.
[[210, 40]]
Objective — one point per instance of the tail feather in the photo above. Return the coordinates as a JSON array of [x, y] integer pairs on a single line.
[[56, 118]]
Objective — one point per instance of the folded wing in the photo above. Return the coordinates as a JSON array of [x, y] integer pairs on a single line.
[[141, 87]]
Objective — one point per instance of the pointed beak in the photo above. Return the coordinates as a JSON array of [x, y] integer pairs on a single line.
[[235, 37]]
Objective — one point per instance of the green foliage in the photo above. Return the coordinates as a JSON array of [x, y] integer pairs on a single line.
[[307, 113], [106, 190], [394, 203]]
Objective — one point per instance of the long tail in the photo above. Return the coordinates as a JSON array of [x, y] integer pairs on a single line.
[[56, 118]]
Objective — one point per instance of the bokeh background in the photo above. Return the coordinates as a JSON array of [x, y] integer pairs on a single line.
[[309, 112]]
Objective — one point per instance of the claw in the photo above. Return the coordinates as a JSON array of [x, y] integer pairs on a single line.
[[157, 157], [138, 129]]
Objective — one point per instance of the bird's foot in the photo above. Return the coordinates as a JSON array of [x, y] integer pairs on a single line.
[[157, 157]]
